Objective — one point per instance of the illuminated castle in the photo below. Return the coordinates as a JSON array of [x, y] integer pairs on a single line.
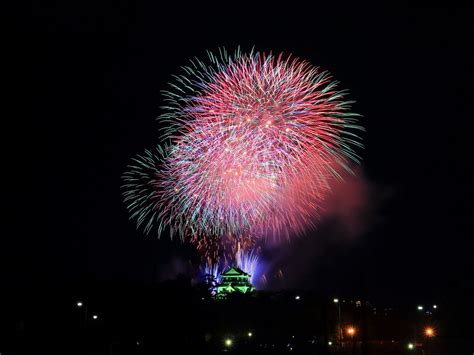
[[234, 280]]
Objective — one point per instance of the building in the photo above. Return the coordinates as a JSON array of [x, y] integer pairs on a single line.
[[234, 280]]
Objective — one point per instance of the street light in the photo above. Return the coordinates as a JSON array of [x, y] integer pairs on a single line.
[[339, 326], [297, 297], [429, 332], [351, 331], [249, 334], [420, 308], [228, 342], [411, 346], [95, 316], [83, 319], [435, 306]]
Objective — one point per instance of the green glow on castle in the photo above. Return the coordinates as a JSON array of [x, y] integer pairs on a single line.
[[234, 280]]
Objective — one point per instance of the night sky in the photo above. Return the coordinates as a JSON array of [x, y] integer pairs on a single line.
[[97, 72]]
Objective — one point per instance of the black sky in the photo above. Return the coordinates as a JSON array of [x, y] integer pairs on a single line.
[[96, 75]]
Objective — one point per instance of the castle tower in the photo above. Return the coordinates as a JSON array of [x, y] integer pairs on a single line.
[[234, 280]]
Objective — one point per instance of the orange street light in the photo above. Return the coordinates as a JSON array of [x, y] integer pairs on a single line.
[[351, 331], [429, 332]]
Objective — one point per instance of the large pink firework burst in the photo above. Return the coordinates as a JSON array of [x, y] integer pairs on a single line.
[[253, 143]]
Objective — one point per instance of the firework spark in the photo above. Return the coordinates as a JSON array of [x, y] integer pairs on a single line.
[[248, 262], [212, 270], [252, 141]]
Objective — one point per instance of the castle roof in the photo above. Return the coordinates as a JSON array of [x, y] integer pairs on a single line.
[[234, 271]]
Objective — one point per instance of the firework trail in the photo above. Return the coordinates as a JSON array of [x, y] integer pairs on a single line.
[[251, 144], [212, 270], [221, 250], [248, 262]]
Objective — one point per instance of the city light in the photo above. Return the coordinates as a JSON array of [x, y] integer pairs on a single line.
[[336, 300], [95, 316], [429, 332], [330, 343], [420, 308], [79, 304], [435, 306], [249, 334], [351, 331], [411, 346], [297, 297], [228, 342]]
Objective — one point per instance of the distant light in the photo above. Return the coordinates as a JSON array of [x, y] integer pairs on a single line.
[[336, 300], [420, 308], [330, 343], [297, 297], [95, 316], [411, 346], [435, 306], [249, 334], [228, 342], [79, 304], [429, 332], [138, 343], [351, 331]]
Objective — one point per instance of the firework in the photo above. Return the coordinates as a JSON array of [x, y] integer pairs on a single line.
[[248, 262], [251, 143], [141, 190], [212, 271]]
